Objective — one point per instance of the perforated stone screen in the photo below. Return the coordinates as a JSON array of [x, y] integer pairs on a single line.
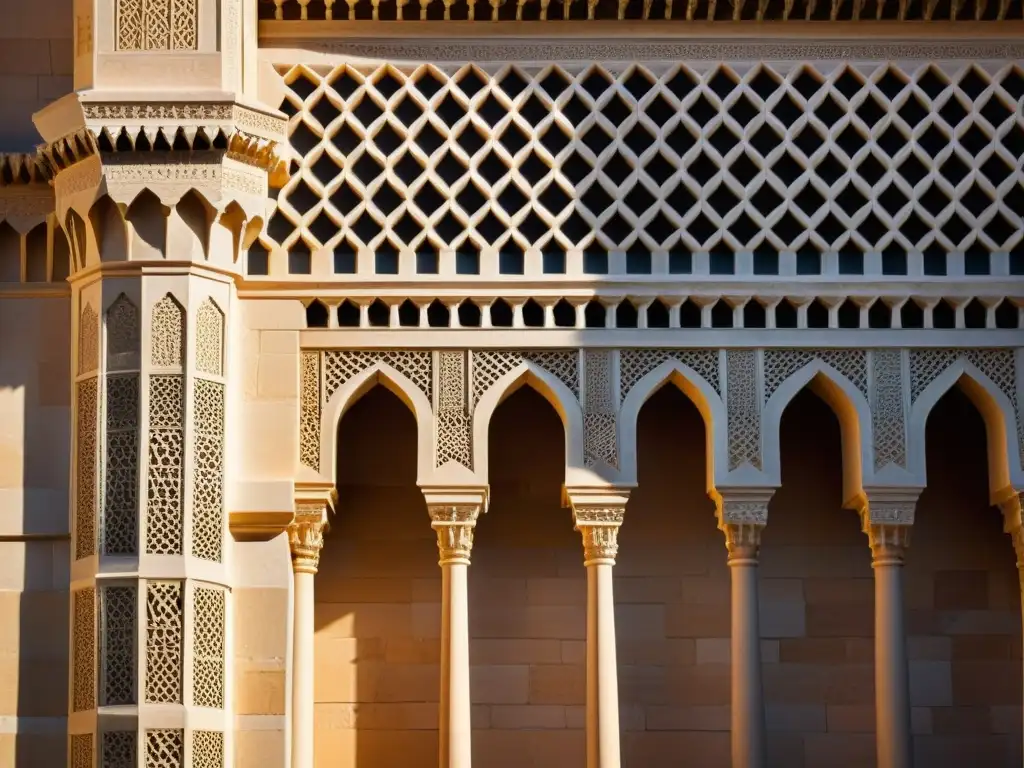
[[491, 160]]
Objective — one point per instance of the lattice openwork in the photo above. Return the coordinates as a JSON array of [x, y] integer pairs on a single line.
[[491, 365], [600, 427], [207, 749], [208, 647], [124, 333], [167, 335], [310, 386], [210, 339], [165, 748], [119, 749], [888, 422], [743, 408], [832, 157], [83, 681], [82, 750], [341, 366], [454, 426], [164, 510], [164, 617], [121, 466], [780, 364], [208, 470], [88, 341], [634, 364], [157, 25], [86, 466], [117, 639]]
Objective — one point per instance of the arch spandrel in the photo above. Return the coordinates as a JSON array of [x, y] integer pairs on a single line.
[[355, 387], [850, 406], [562, 399], [700, 392], [999, 412]]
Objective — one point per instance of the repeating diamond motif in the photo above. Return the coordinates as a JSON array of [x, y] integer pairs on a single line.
[[834, 157]]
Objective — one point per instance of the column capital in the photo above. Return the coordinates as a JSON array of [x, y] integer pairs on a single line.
[[598, 514], [1012, 507], [742, 514], [306, 532], [887, 516], [454, 524]]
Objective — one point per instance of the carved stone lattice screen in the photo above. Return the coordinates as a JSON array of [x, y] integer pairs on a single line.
[[831, 157]]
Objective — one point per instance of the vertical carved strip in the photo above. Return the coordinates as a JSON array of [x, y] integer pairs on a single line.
[[600, 438], [83, 685], [87, 467], [121, 466], [208, 648], [81, 750], [744, 412], [88, 341], [453, 440], [210, 339], [184, 25], [128, 34], [208, 470], [887, 411], [309, 410], [165, 508], [165, 748], [118, 645], [164, 609], [119, 749], [207, 749]]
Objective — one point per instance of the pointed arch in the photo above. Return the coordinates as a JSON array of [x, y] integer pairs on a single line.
[[997, 411], [704, 396], [562, 399], [849, 405], [148, 219], [357, 386], [108, 230], [193, 218]]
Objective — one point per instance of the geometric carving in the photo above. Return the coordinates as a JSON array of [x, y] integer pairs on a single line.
[[88, 341], [86, 467], [454, 438], [119, 749], [119, 521], [780, 364], [887, 417], [163, 645], [636, 363], [208, 647], [600, 437], [743, 409], [164, 508], [81, 750], [208, 469], [207, 749], [167, 335], [123, 335], [117, 640], [341, 366], [157, 25], [165, 748], [83, 693], [491, 365], [309, 410], [210, 339]]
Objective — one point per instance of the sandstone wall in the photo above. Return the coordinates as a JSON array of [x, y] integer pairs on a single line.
[[378, 595], [34, 441]]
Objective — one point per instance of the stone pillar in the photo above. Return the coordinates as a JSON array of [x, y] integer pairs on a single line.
[[742, 516], [887, 523], [306, 538], [454, 519], [598, 519], [1013, 523]]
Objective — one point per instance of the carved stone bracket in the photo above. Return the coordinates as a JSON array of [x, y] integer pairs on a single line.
[[306, 536]]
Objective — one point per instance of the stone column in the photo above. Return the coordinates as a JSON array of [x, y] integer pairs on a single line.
[[306, 538], [741, 517], [598, 520], [1013, 523], [454, 523], [887, 524]]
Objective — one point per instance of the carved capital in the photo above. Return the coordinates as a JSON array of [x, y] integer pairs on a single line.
[[599, 527], [886, 517], [306, 537], [743, 542], [742, 514], [454, 524], [889, 543]]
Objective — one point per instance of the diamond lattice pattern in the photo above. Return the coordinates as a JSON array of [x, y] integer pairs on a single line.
[[837, 157]]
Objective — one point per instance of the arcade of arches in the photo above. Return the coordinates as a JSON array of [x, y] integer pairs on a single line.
[[378, 595]]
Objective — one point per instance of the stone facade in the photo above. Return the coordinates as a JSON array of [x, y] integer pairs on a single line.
[[699, 426]]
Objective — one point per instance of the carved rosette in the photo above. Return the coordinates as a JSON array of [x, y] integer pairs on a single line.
[[887, 525], [742, 520], [599, 527], [306, 537], [454, 524]]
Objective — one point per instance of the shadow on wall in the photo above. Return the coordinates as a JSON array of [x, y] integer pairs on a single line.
[[34, 393]]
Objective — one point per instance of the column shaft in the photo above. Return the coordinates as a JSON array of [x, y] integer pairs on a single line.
[[302, 672], [602, 670], [892, 687], [748, 724]]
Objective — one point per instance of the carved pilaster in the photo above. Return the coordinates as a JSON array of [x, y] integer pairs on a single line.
[[306, 537], [599, 527], [454, 524]]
